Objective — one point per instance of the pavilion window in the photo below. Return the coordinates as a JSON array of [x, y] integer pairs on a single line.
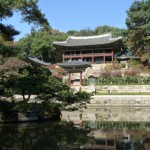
[[66, 60], [87, 52], [98, 60], [108, 50], [108, 58], [77, 52], [97, 51], [67, 53], [89, 59]]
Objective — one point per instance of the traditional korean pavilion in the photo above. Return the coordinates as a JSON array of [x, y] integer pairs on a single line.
[[95, 49], [74, 67], [124, 56]]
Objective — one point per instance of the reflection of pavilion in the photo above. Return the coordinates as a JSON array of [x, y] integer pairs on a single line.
[[74, 67], [102, 144]]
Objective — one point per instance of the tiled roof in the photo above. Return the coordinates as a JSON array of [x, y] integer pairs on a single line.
[[38, 61], [74, 63], [87, 40]]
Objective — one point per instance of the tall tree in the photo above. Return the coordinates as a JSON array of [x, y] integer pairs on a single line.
[[30, 13], [28, 8], [138, 23], [82, 32], [116, 32], [39, 43]]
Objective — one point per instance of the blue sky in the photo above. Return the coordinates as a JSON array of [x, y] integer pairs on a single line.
[[65, 15]]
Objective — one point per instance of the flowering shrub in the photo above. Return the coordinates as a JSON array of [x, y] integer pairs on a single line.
[[105, 74], [131, 72], [116, 74]]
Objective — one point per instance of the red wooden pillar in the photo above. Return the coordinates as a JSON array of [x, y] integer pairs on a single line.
[[81, 78], [81, 56], [104, 56], [69, 78], [92, 57], [63, 56], [112, 55], [104, 59]]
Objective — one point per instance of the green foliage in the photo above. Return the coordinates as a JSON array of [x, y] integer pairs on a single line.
[[85, 82], [30, 13], [8, 32], [138, 23], [123, 81], [28, 8], [8, 75], [135, 64], [116, 32], [82, 32], [40, 44], [73, 100], [51, 93], [8, 50]]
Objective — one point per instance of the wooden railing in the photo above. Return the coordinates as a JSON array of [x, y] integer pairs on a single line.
[[88, 55]]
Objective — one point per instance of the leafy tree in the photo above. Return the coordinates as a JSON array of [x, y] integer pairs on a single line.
[[72, 32], [8, 76], [28, 8], [30, 13], [82, 32], [39, 43], [28, 80], [86, 32], [116, 32], [8, 32], [138, 23]]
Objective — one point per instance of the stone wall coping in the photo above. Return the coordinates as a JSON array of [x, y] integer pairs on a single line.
[[98, 96]]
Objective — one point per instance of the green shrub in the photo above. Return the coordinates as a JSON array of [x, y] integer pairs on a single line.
[[123, 81]]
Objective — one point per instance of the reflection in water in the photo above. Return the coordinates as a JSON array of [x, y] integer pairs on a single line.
[[128, 135], [102, 128], [42, 136], [64, 136]]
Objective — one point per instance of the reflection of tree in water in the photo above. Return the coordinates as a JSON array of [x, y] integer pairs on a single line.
[[63, 136], [43, 136]]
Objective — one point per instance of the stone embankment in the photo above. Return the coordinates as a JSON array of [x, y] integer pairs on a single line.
[[123, 89], [120, 100], [117, 89], [112, 108]]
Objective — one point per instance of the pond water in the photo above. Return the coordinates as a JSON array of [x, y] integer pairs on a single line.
[[64, 136]]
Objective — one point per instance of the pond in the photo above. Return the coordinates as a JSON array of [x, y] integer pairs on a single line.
[[65, 136]]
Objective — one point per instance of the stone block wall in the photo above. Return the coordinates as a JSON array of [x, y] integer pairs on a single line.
[[122, 88]]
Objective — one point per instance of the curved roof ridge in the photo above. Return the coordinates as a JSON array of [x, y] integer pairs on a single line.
[[117, 38], [38, 61], [90, 37], [87, 40]]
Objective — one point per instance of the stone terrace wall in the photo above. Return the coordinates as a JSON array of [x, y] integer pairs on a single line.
[[123, 88], [120, 100]]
